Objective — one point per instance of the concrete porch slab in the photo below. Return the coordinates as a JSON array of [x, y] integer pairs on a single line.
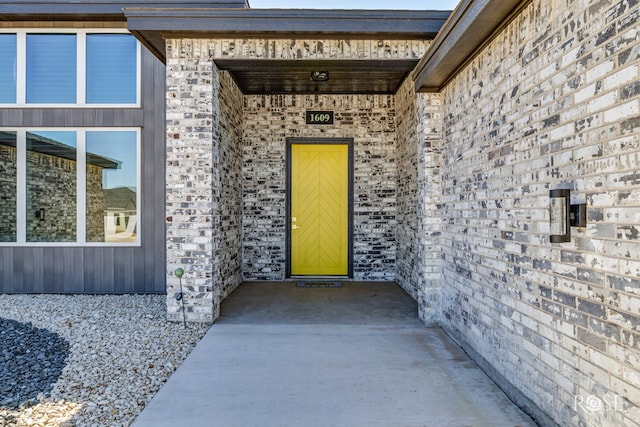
[[351, 356]]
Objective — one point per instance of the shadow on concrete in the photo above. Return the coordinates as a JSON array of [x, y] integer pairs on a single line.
[[284, 303]]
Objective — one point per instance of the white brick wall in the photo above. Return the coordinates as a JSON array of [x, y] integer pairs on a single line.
[[269, 121], [203, 180], [451, 193], [552, 102], [419, 136]]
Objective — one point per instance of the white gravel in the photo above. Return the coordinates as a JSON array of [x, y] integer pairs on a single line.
[[122, 350]]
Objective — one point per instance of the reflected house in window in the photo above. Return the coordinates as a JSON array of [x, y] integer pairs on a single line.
[[51, 189], [120, 214], [51, 193], [8, 198]]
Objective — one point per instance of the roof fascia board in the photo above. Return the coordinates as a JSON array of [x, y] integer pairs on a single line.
[[96, 9], [287, 21], [150, 23], [470, 27]]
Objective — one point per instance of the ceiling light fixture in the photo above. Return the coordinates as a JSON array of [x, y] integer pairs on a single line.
[[320, 76]]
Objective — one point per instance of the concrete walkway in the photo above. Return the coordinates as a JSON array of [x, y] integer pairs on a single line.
[[352, 356]]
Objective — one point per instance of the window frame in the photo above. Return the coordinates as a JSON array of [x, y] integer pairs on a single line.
[[81, 187], [81, 67]]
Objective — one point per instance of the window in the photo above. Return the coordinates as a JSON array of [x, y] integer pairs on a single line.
[[8, 68], [112, 197], [111, 69], [51, 186], [69, 68], [51, 68], [61, 186], [8, 182]]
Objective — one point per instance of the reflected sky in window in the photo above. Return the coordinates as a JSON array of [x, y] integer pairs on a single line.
[[111, 69], [7, 68], [68, 138], [120, 146], [51, 68]]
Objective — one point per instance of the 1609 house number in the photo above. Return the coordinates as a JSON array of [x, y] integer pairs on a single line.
[[319, 117]]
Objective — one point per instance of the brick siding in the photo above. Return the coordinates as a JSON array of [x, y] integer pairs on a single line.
[[269, 121], [551, 102]]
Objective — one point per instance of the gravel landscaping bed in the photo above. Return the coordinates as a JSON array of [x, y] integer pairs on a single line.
[[86, 360]]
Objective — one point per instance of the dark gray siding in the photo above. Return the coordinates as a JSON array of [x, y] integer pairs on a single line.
[[101, 269], [102, 10]]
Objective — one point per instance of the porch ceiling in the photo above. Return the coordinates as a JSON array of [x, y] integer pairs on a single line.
[[259, 76]]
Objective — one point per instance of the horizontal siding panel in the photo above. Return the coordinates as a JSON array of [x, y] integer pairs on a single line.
[[105, 269], [71, 117]]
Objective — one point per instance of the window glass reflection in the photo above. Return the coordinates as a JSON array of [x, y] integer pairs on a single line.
[[112, 186], [8, 68], [8, 189], [51, 68], [51, 186], [111, 69]]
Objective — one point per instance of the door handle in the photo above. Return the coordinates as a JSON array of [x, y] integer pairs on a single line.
[[294, 227]]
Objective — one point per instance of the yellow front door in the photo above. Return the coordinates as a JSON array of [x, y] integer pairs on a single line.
[[319, 209]]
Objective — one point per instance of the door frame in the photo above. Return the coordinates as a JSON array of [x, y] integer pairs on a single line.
[[324, 141]]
